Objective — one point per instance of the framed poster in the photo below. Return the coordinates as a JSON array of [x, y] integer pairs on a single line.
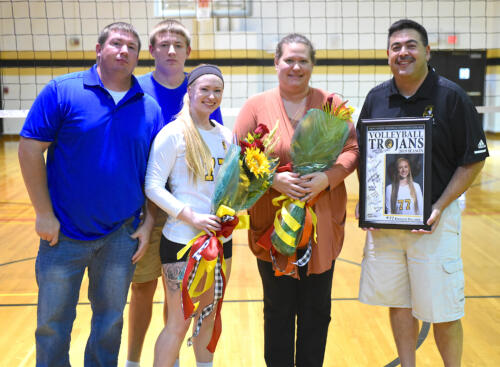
[[395, 173]]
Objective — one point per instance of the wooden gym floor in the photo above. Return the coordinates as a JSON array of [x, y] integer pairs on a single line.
[[359, 335]]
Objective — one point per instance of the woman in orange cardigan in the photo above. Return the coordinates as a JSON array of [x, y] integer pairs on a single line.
[[303, 299]]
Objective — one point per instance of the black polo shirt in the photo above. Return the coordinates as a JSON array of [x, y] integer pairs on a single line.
[[457, 135]]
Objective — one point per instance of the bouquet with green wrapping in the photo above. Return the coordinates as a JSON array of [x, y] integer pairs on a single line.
[[316, 144], [247, 171], [319, 138]]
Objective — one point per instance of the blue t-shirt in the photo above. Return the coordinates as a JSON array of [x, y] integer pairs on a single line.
[[170, 100], [96, 163]]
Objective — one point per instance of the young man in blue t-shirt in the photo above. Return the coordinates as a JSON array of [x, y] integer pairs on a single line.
[[97, 127], [170, 47]]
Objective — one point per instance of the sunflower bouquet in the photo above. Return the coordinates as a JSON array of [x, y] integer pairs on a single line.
[[247, 171], [316, 144], [246, 174]]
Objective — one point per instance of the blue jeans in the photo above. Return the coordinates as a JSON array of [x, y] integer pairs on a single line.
[[59, 272]]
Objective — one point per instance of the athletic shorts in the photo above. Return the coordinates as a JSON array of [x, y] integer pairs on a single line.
[[423, 272], [169, 250]]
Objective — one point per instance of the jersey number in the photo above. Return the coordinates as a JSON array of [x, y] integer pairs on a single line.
[[402, 202], [210, 176]]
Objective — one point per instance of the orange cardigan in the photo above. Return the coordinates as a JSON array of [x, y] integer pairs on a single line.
[[267, 108]]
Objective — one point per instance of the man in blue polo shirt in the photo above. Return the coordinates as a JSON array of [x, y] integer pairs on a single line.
[[97, 127]]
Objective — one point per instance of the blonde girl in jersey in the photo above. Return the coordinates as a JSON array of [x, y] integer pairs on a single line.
[[404, 196], [187, 153]]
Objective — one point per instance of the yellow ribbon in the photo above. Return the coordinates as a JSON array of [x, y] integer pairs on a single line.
[[244, 219], [290, 221], [244, 223], [224, 210], [205, 266], [314, 220], [289, 240], [185, 249]]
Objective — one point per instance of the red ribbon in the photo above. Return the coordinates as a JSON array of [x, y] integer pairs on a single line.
[[209, 253], [286, 168], [218, 320]]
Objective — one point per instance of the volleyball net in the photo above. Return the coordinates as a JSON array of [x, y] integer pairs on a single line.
[[43, 39]]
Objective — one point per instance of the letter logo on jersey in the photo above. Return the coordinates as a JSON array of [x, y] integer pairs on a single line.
[[428, 111]]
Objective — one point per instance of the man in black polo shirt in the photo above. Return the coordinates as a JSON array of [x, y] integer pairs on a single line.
[[418, 274]]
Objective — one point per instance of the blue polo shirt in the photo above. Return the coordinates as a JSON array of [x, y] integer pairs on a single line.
[[96, 163], [170, 100]]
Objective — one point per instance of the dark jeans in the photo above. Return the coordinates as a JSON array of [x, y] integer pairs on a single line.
[[59, 273], [306, 300]]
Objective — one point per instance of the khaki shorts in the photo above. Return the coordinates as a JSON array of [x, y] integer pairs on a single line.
[[149, 267], [418, 271]]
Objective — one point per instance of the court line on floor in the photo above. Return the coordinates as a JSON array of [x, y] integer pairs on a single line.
[[29, 294], [424, 331], [18, 261], [21, 220], [348, 261], [23, 203], [32, 258], [482, 297], [334, 299], [27, 357], [485, 182]]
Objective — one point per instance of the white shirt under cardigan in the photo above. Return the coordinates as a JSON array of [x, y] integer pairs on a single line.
[[167, 163]]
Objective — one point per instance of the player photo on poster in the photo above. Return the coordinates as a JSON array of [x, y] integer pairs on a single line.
[[395, 173]]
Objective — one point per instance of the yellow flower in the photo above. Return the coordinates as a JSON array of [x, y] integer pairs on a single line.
[[250, 138], [256, 161], [345, 113], [342, 111]]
